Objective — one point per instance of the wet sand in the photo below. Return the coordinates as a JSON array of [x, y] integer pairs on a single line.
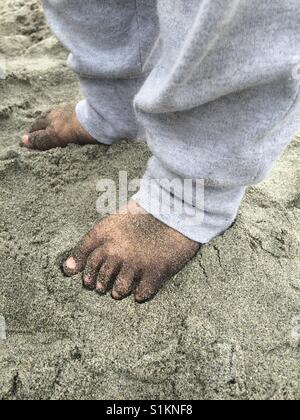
[[227, 327]]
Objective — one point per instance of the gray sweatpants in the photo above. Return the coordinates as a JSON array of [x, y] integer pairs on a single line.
[[213, 83]]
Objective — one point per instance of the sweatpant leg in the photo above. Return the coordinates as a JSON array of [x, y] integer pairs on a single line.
[[220, 105], [109, 42]]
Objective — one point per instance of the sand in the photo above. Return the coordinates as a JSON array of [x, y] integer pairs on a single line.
[[227, 327]]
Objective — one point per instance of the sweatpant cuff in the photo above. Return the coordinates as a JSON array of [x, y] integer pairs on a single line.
[[89, 120], [200, 224]]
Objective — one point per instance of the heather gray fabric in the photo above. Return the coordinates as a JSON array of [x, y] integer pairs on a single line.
[[109, 42], [213, 83]]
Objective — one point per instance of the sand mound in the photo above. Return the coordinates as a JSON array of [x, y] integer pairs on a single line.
[[227, 327]]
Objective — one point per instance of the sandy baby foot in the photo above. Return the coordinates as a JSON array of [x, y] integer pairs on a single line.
[[130, 253], [56, 128]]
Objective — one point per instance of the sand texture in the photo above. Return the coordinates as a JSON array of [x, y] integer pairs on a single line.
[[227, 327]]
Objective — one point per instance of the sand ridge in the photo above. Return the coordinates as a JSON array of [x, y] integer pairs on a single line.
[[227, 327]]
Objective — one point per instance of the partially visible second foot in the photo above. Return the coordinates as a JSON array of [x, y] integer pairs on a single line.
[[56, 128], [130, 253]]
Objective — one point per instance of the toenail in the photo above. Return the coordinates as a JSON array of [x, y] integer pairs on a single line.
[[71, 264], [116, 295], [25, 140], [141, 299], [100, 290], [88, 279]]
